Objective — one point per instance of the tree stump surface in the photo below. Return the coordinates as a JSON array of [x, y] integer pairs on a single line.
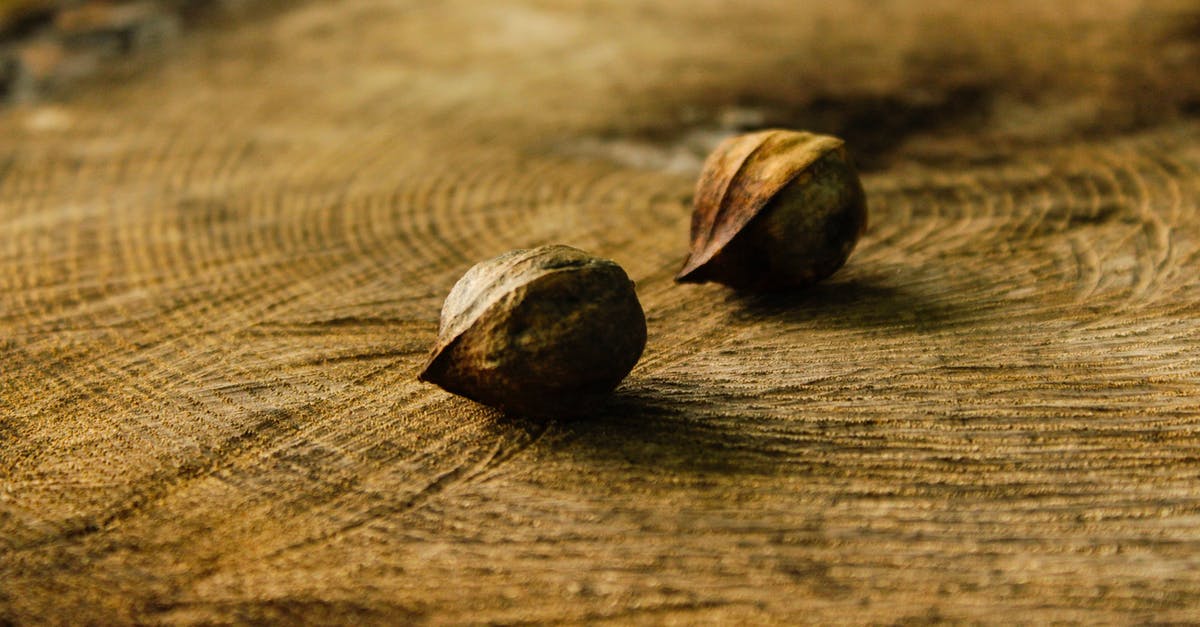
[[219, 279]]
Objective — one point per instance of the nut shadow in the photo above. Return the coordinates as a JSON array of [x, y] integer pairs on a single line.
[[852, 302], [674, 426]]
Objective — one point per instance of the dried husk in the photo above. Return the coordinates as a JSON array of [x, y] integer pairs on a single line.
[[774, 209], [538, 332]]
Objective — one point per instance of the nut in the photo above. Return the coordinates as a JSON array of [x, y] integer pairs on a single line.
[[774, 209], [538, 332]]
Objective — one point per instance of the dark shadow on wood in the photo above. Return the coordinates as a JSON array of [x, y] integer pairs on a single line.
[[855, 302], [671, 425]]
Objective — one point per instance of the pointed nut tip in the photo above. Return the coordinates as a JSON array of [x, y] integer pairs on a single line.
[[426, 375], [690, 273]]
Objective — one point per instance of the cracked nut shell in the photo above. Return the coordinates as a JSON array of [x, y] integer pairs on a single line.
[[538, 331], [774, 209]]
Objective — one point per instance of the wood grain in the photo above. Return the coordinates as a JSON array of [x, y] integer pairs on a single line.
[[218, 280]]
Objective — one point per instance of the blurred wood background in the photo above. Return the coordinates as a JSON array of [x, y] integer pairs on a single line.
[[219, 276]]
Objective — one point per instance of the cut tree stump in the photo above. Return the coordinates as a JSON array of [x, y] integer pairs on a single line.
[[219, 279]]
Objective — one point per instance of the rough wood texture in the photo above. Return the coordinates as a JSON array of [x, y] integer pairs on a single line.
[[218, 281]]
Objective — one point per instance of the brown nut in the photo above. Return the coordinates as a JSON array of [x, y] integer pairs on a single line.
[[538, 332], [774, 209]]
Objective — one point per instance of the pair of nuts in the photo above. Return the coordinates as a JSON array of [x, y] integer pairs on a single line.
[[549, 330]]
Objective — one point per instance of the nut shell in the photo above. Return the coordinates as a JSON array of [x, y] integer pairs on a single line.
[[774, 209], [538, 332]]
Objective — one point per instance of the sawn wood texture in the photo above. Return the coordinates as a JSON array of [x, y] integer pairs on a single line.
[[219, 279]]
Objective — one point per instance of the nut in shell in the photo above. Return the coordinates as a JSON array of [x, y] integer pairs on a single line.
[[538, 332], [774, 209]]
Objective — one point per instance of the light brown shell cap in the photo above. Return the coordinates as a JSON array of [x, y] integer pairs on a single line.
[[740, 178]]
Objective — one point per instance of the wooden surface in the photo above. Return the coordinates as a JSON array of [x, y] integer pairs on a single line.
[[218, 279]]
